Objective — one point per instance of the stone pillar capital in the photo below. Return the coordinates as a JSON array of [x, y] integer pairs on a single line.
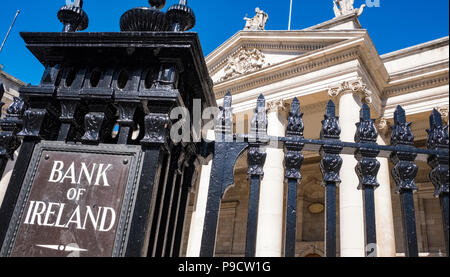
[[277, 106], [356, 86], [383, 126], [444, 111]]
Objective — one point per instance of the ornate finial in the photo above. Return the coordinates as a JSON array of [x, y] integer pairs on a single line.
[[294, 157], [258, 22], [295, 125], [331, 163], [157, 4], [181, 16], [438, 139], [259, 123], [401, 133], [145, 19], [330, 125], [366, 130], [224, 121], [438, 133], [256, 154], [73, 17], [368, 165]]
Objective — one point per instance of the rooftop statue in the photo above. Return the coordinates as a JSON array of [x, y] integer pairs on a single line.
[[344, 7], [258, 22]]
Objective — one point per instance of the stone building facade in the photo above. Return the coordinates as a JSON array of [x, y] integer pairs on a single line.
[[11, 87], [332, 60]]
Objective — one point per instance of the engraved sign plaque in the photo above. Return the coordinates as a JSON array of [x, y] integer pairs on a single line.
[[75, 202]]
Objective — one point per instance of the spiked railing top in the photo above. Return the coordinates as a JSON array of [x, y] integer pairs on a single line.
[[259, 121], [295, 125], [438, 137], [330, 125], [73, 17], [366, 130], [401, 132], [224, 122]]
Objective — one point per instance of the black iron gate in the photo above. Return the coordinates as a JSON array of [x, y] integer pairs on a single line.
[[402, 153], [101, 94]]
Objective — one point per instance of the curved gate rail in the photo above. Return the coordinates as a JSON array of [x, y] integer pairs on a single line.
[[402, 153]]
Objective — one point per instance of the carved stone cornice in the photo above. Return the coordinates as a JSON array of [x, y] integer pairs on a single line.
[[263, 45], [416, 86], [241, 84], [356, 86]]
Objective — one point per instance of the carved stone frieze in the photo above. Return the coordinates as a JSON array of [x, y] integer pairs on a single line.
[[245, 61]]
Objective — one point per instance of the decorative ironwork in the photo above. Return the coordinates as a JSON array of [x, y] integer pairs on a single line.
[[367, 171], [438, 139], [256, 158], [181, 16], [145, 19], [73, 17], [293, 162], [404, 173], [330, 166], [226, 153]]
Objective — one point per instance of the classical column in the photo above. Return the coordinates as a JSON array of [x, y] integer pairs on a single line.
[[351, 212], [198, 214], [269, 241], [383, 201]]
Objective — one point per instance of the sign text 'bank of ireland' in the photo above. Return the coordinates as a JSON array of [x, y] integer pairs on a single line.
[[73, 205]]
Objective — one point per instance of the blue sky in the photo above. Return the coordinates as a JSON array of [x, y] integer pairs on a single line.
[[394, 25]]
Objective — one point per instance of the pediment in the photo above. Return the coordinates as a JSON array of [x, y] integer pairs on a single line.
[[251, 51]]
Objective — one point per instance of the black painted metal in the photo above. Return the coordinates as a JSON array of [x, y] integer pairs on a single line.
[[367, 171], [293, 162], [157, 202], [330, 219], [226, 153], [404, 173], [10, 126], [256, 158], [438, 138], [169, 233], [330, 166], [166, 201], [13, 190], [95, 82], [188, 179]]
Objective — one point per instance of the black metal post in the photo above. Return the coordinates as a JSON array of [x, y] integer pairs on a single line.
[[330, 219], [404, 173], [293, 162], [154, 145], [367, 171], [256, 158], [438, 139], [252, 216], [330, 167], [186, 185], [167, 201]]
